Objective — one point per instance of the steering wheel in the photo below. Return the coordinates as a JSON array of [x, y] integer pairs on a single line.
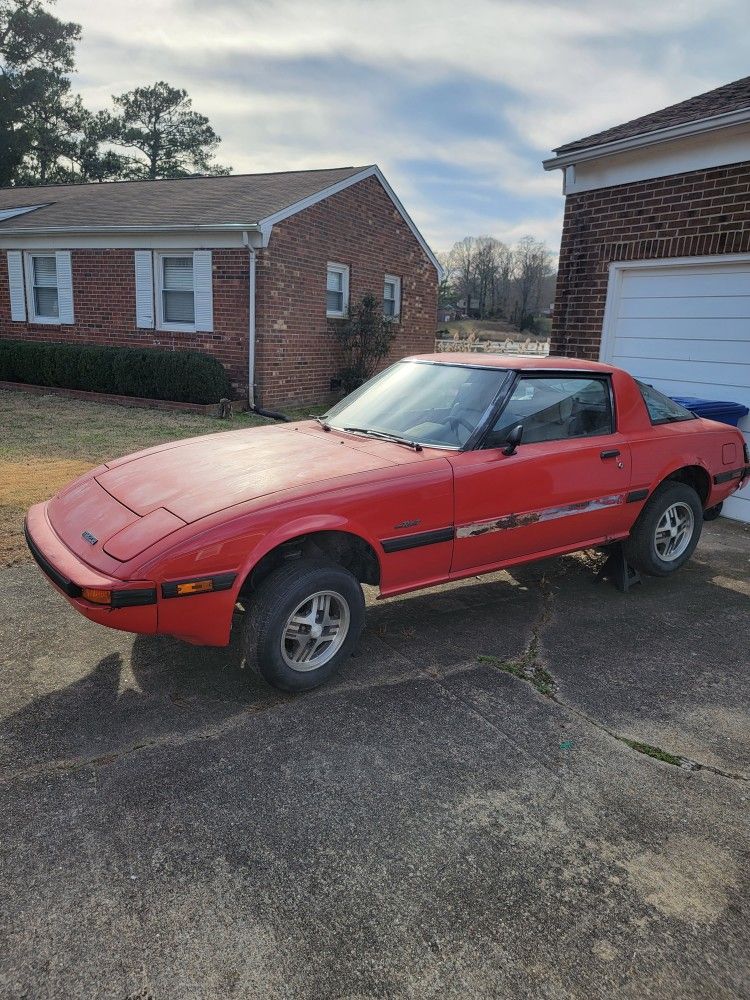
[[455, 422]]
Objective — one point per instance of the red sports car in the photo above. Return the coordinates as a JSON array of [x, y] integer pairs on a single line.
[[441, 467]]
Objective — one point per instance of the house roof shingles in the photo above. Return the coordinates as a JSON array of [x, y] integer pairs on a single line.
[[240, 199], [731, 97]]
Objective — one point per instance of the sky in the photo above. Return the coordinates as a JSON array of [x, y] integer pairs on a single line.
[[457, 102]]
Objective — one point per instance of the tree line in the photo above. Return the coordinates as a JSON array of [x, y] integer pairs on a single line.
[[485, 278], [47, 136]]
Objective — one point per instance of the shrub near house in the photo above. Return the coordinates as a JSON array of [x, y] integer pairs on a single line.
[[185, 376]]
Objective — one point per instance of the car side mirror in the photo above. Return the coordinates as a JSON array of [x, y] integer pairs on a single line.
[[513, 440]]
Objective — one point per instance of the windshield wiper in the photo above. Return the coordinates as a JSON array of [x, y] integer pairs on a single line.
[[385, 436], [322, 421]]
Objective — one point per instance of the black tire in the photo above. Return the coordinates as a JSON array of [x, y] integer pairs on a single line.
[[640, 548], [271, 607]]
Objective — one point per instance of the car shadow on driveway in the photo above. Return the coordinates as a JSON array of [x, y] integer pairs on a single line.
[[155, 688], [164, 689]]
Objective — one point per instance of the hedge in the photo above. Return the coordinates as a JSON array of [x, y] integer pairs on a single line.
[[184, 376]]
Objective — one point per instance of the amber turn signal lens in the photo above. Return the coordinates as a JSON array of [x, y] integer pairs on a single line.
[[194, 587], [96, 596]]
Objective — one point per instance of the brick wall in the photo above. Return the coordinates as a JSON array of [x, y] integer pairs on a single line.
[[296, 351], [695, 214], [104, 309]]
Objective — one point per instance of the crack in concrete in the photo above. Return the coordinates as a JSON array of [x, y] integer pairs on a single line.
[[435, 678], [71, 765], [530, 668]]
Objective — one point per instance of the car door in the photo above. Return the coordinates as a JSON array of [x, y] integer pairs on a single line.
[[564, 487]]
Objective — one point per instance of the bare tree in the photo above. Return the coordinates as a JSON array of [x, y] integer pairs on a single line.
[[494, 280], [532, 267], [503, 280], [485, 270], [463, 262], [493, 269], [446, 288]]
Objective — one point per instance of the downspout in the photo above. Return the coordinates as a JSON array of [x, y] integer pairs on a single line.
[[251, 322], [251, 338]]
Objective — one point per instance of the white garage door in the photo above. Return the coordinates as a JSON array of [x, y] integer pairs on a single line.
[[685, 328]]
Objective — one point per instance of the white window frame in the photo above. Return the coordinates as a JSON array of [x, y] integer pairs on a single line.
[[343, 270], [28, 271], [396, 281], [161, 323]]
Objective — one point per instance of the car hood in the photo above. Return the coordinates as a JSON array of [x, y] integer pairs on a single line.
[[198, 477]]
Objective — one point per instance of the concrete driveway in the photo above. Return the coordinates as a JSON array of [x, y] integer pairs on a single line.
[[482, 805]]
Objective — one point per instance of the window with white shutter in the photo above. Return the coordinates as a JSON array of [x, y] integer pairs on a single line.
[[337, 291], [41, 284], [178, 296], [175, 294], [183, 284]]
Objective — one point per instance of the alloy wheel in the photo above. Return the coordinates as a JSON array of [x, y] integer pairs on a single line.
[[674, 531], [315, 631]]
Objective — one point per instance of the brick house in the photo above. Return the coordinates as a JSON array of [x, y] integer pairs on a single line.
[[253, 269], [654, 269]]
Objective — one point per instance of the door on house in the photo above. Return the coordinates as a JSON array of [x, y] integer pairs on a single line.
[[685, 328]]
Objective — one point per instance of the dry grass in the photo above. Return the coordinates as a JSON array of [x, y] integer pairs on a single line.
[[45, 441]]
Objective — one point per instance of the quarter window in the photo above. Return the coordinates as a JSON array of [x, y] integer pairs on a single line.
[[337, 290], [177, 291], [554, 409], [662, 409], [391, 297], [44, 287]]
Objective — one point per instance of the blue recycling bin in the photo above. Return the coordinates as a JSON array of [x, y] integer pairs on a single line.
[[714, 409]]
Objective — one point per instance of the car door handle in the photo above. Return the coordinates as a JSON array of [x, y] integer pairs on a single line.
[[611, 453]]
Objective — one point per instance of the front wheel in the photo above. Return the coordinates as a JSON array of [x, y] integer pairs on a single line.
[[303, 622], [667, 531]]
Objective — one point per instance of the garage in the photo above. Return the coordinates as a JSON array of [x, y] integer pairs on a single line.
[[684, 327]]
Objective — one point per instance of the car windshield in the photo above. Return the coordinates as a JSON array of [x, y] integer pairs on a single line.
[[432, 404]]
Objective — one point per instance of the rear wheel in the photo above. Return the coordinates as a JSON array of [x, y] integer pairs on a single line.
[[667, 531], [303, 622]]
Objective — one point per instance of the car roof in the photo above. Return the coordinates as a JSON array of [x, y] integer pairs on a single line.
[[511, 362]]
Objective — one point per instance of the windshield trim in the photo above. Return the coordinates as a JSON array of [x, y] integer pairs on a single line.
[[376, 436]]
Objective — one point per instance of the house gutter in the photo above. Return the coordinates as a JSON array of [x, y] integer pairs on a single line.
[[242, 227], [685, 130]]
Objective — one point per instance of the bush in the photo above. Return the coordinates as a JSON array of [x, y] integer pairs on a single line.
[[185, 376], [365, 337]]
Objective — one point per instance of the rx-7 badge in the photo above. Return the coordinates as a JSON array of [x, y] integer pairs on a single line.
[[91, 539]]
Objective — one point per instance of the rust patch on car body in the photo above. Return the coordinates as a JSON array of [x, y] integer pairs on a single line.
[[510, 521]]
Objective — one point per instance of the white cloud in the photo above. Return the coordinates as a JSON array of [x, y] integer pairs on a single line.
[[289, 84]]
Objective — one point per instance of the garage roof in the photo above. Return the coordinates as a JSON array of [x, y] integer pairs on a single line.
[[723, 100]]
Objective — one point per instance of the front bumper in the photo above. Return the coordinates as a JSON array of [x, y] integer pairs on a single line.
[[133, 607]]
